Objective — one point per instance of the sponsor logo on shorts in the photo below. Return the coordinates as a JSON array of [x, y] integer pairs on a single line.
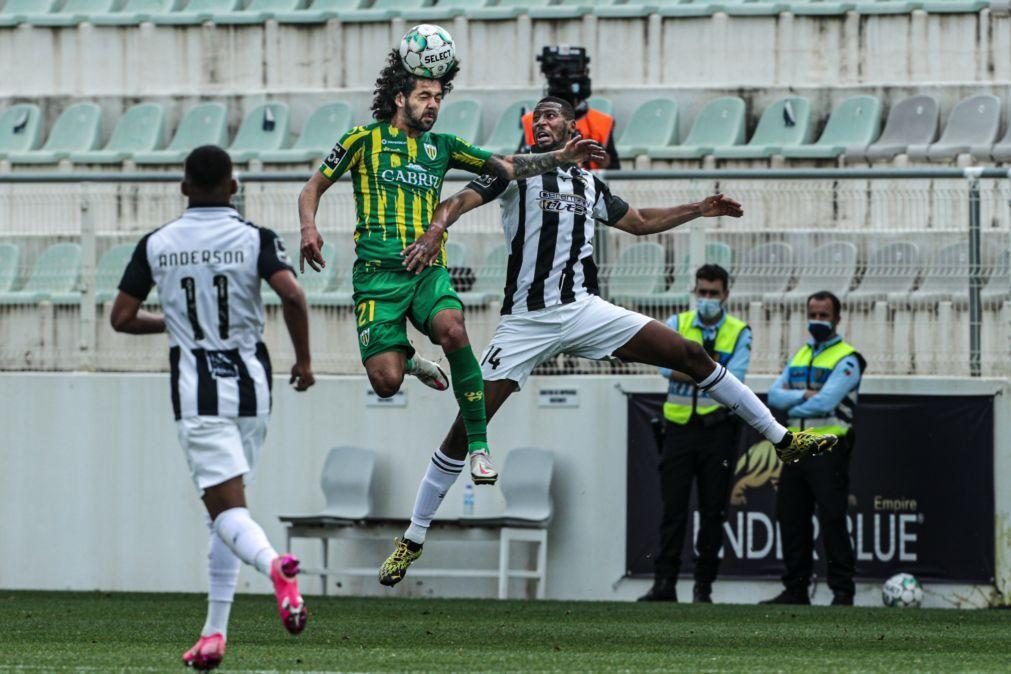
[[431, 150], [473, 396], [563, 203], [364, 337]]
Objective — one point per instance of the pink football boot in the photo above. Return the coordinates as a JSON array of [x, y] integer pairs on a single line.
[[289, 601], [206, 654]]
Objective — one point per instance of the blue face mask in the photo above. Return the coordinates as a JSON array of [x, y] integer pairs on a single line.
[[820, 330], [709, 309]]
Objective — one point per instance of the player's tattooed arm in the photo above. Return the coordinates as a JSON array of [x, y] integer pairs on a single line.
[[424, 250], [520, 166]]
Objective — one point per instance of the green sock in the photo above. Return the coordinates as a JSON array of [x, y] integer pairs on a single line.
[[409, 365], [468, 387]]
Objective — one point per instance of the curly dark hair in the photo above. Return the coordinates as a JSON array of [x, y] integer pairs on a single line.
[[395, 79]]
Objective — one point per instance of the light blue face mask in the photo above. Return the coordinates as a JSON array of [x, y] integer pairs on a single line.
[[708, 309]]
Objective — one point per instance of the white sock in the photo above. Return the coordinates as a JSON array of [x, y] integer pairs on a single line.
[[245, 538], [728, 390], [440, 476], [223, 572]]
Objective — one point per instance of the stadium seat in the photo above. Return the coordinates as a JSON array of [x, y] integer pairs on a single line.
[[631, 9], [507, 135], [15, 12], [953, 6], [601, 104], [319, 11], [204, 124], [911, 121], [763, 270], [720, 123], [54, 277], [257, 11], [196, 12], [830, 266], [855, 122], [891, 272], [638, 275], [946, 278], [752, 7], [886, 6], [505, 9], [20, 129], [72, 13], [382, 10], [821, 7], [680, 292], [1000, 152], [265, 128], [785, 123], [972, 125], [460, 118], [141, 129], [79, 127], [318, 284], [443, 10], [10, 256], [135, 12], [321, 131], [568, 9], [653, 124], [109, 271], [489, 279]]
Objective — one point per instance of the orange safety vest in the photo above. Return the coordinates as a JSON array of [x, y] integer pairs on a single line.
[[594, 124]]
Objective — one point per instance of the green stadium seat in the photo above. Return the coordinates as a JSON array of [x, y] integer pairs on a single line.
[[20, 129], [135, 12], [10, 256], [15, 12], [382, 10], [460, 118], [197, 12], [633, 9], [204, 124], [821, 7], [331, 286], [489, 279], [680, 292], [775, 130], [505, 138], [752, 7], [638, 275], [886, 6], [720, 123], [601, 104], [257, 11], [141, 129], [54, 277], [321, 131], [319, 11], [264, 129], [569, 9], [653, 124], [79, 127], [72, 13], [953, 6], [856, 122], [109, 271], [443, 10], [505, 9]]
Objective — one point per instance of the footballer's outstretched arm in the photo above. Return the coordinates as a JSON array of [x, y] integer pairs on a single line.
[[311, 247], [520, 166], [296, 318], [127, 316], [420, 254], [642, 221]]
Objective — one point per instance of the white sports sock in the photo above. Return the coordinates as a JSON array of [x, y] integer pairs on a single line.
[[245, 538], [728, 390], [440, 476], [223, 571]]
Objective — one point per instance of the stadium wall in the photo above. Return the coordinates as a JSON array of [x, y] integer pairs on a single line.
[[94, 492]]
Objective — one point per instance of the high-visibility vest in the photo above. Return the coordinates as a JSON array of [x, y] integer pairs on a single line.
[[683, 398], [594, 124], [807, 371]]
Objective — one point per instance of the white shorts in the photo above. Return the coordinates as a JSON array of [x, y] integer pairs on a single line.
[[220, 448], [590, 328]]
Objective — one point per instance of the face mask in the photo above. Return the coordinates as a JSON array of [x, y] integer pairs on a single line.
[[708, 308], [820, 330]]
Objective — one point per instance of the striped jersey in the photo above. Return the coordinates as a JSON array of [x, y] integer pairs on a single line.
[[549, 223], [207, 266], [397, 184]]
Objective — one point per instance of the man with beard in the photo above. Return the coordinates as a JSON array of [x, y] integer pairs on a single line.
[[397, 167], [552, 304]]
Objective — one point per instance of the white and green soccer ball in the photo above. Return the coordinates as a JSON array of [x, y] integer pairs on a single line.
[[902, 591], [427, 51]]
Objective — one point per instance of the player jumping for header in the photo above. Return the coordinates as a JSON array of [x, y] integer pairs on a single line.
[[397, 168], [551, 305]]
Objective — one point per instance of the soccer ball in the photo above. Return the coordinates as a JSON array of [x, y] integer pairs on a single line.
[[427, 51], [902, 591]]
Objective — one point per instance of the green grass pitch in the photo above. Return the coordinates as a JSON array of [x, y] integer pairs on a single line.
[[103, 632]]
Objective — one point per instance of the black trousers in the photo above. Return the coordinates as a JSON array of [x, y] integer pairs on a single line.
[[821, 481], [706, 455]]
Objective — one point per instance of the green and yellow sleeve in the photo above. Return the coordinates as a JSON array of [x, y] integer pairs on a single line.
[[345, 154], [463, 155]]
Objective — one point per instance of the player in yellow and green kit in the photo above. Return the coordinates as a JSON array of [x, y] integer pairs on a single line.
[[397, 166]]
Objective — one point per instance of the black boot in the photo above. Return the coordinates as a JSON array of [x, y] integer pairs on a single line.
[[702, 593], [788, 596], [664, 589], [842, 599]]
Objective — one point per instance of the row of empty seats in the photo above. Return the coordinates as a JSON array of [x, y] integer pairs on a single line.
[[60, 13], [770, 273], [786, 128]]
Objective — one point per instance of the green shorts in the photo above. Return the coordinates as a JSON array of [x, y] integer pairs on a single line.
[[383, 299]]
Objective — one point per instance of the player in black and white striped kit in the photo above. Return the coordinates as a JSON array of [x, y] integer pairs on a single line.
[[552, 305], [207, 266]]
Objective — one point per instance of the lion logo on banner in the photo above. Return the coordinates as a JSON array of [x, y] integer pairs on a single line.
[[756, 467]]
